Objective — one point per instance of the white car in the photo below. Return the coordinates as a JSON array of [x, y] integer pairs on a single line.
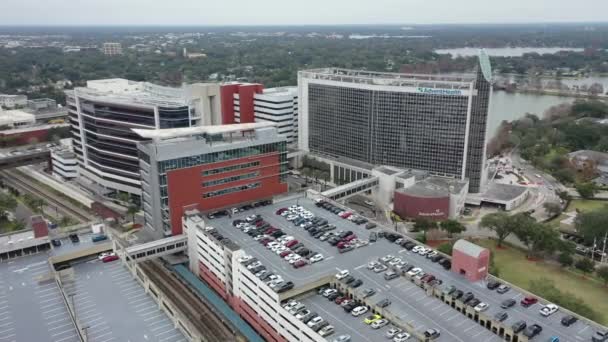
[[431, 254], [295, 259], [372, 265], [329, 292], [414, 271], [315, 321], [401, 337], [254, 265], [300, 316], [392, 332], [290, 256], [342, 274], [481, 307], [386, 258], [327, 330], [549, 310], [379, 323], [275, 283], [316, 258], [394, 261], [424, 251], [416, 249], [359, 310], [420, 275], [290, 304]]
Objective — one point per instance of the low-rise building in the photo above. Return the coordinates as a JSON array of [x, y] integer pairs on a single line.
[[12, 101], [16, 118], [111, 49], [64, 164]]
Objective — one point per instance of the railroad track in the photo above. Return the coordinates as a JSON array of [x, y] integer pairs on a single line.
[[204, 318], [23, 184]]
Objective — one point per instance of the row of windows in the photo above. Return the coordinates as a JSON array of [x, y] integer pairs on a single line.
[[231, 179], [231, 190], [230, 168], [208, 158]]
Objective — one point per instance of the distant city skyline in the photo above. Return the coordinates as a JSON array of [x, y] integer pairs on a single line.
[[311, 12]]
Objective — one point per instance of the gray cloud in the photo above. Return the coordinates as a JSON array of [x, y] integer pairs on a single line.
[[283, 12]]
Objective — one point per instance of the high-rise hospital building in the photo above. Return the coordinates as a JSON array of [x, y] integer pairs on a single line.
[[435, 123]]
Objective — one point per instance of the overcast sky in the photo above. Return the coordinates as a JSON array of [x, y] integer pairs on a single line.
[[298, 12]]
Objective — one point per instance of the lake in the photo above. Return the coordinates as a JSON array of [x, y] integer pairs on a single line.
[[504, 52], [512, 106]]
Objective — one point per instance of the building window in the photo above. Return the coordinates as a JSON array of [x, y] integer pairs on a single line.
[[231, 179], [231, 190], [230, 168]]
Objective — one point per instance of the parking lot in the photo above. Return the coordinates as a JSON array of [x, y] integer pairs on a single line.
[[409, 302], [30, 309], [114, 306]]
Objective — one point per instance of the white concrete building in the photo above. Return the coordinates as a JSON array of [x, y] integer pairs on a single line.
[[12, 101], [16, 118], [112, 49], [279, 105], [65, 164]]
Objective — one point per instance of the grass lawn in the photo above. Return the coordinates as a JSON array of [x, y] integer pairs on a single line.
[[582, 205], [516, 269]]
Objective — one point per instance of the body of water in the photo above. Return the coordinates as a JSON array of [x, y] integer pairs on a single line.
[[512, 106], [504, 52]]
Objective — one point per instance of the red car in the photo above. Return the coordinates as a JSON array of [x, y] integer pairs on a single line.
[[299, 263], [342, 244], [346, 215], [528, 301], [339, 300], [284, 254], [349, 238], [291, 243], [110, 258], [280, 211]]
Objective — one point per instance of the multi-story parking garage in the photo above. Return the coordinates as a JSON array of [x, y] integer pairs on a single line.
[[216, 246]]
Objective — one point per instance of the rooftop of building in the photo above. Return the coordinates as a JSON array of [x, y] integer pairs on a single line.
[[391, 79], [410, 304], [191, 132], [281, 91], [15, 115], [434, 186], [15, 241], [120, 90], [33, 128], [503, 192]]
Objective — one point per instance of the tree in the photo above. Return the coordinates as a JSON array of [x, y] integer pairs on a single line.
[[501, 224], [132, 210], [565, 259], [602, 272], [537, 237], [592, 224], [422, 225], [585, 264], [452, 227], [586, 190], [564, 195], [7, 204], [552, 208]]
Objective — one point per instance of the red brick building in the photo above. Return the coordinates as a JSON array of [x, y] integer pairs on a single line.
[[470, 260], [237, 102], [209, 168]]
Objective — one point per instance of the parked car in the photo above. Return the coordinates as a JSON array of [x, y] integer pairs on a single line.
[[358, 311], [493, 284], [380, 323], [518, 326], [533, 330], [56, 242], [528, 301], [481, 307], [507, 303], [600, 336], [342, 274], [548, 310], [432, 334], [342, 338], [372, 318], [368, 292], [501, 316], [74, 238], [384, 303], [390, 275], [568, 320], [503, 289], [326, 330], [356, 283], [401, 337], [110, 258], [392, 332]]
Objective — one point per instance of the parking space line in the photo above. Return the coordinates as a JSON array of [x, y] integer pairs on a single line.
[[61, 313], [162, 326], [164, 332], [6, 337], [147, 319], [60, 326], [110, 339], [97, 331], [63, 332], [167, 338], [104, 334], [148, 307], [65, 338], [59, 320]]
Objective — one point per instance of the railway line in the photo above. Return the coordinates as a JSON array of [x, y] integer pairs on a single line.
[[22, 183], [204, 318]]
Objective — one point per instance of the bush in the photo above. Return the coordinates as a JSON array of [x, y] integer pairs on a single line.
[[565, 259], [421, 238], [445, 248], [586, 265], [546, 289]]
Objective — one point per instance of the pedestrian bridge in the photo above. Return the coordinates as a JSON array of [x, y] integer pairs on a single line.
[[155, 249], [351, 189]]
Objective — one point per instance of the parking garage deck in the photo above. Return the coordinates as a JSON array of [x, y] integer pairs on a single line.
[[410, 303]]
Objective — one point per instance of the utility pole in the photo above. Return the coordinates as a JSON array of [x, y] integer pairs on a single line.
[[604, 248]]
